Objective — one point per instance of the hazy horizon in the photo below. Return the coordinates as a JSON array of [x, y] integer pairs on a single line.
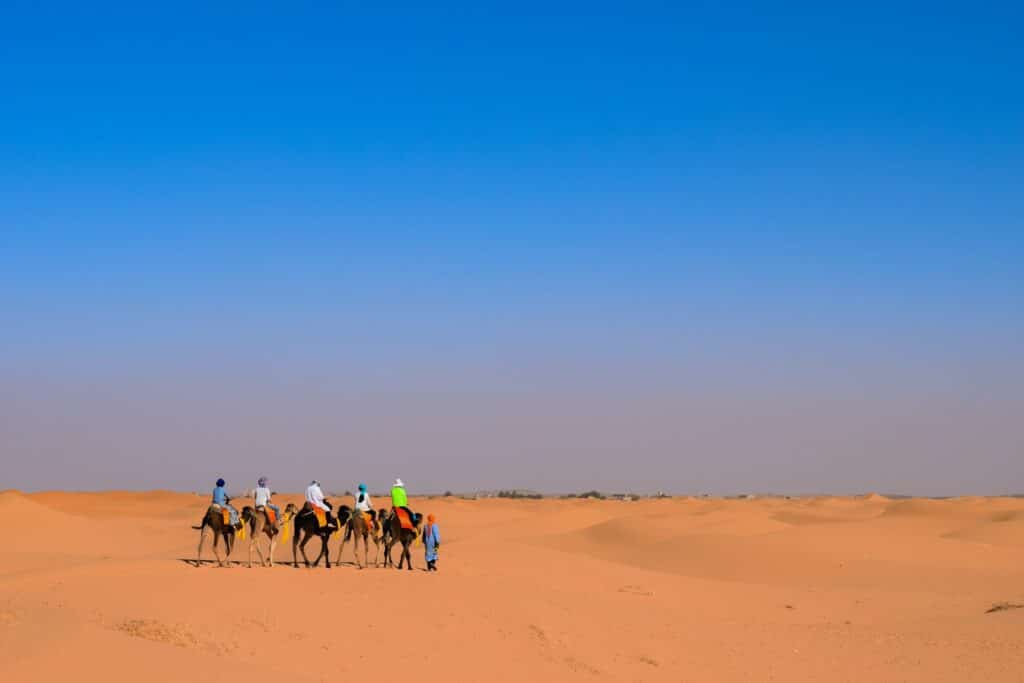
[[687, 249]]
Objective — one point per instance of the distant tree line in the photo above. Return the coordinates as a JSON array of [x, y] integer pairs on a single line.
[[513, 493]]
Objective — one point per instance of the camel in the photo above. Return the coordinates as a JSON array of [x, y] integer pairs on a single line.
[[214, 518], [259, 523], [358, 527], [395, 533], [307, 526]]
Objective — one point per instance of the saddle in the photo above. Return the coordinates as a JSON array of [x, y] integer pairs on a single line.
[[321, 515], [324, 520], [405, 519], [227, 516], [271, 515]]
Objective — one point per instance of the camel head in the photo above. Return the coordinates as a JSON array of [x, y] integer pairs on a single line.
[[248, 513], [289, 511]]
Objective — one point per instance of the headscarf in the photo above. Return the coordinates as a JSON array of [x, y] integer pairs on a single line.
[[398, 482], [362, 487], [220, 482], [431, 518], [262, 482]]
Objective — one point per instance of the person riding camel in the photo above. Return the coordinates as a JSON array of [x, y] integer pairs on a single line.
[[261, 498], [222, 500], [364, 505], [399, 499], [315, 501]]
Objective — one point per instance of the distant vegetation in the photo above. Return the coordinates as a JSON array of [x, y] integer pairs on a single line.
[[515, 493]]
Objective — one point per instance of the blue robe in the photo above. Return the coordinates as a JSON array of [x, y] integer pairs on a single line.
[[431, 539]]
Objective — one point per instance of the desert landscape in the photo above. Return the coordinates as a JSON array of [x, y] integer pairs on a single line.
[[100, 586]]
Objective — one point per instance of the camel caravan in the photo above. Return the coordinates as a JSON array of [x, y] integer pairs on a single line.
[[265, 523]]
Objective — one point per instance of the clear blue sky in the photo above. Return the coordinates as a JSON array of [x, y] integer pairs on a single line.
[[682, 246]]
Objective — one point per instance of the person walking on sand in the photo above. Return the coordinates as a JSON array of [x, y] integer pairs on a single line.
[[431, 542]]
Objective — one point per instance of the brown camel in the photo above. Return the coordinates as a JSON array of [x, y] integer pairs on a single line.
[[397, 534], [359, 528], [307, 526], [259, 523], [214, 519]]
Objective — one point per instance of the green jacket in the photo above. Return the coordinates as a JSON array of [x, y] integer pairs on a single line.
[[398, 497]]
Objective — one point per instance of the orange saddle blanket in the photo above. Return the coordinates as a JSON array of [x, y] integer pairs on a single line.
[[321, 517], [271, 515], [403, 519], [227, 516]]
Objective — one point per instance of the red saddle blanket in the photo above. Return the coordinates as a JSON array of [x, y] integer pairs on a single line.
[[271, 515]]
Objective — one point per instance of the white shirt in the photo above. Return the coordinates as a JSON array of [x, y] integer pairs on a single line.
[[365, 505], [315, 497], [262, 496]]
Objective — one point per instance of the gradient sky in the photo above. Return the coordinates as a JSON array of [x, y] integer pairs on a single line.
[[668, 246]]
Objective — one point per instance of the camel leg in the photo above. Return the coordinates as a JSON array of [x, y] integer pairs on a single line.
[[326, 550], [273, 544], [341, 548], [257, 531], [408, 556], [255, 543], [302, 548], [229, 545], [216, 549], [366, 551], [199, 552], [295, 545], [323, 543]]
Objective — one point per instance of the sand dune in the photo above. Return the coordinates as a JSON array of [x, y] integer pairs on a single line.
[[656, 590]]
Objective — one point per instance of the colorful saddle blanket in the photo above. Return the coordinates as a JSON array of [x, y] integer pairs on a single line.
[[404, 519]]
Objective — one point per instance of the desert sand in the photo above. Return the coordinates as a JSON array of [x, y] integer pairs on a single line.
[[98, 587]]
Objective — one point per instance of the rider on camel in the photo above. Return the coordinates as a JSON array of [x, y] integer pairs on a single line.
[[364, 505], [261, 498], [222, 500], [315, 501], [399, 499]]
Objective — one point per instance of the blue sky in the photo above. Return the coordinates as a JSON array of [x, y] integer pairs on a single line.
[[511, 245]]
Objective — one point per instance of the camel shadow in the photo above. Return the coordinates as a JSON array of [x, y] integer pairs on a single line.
[[191, 561]]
